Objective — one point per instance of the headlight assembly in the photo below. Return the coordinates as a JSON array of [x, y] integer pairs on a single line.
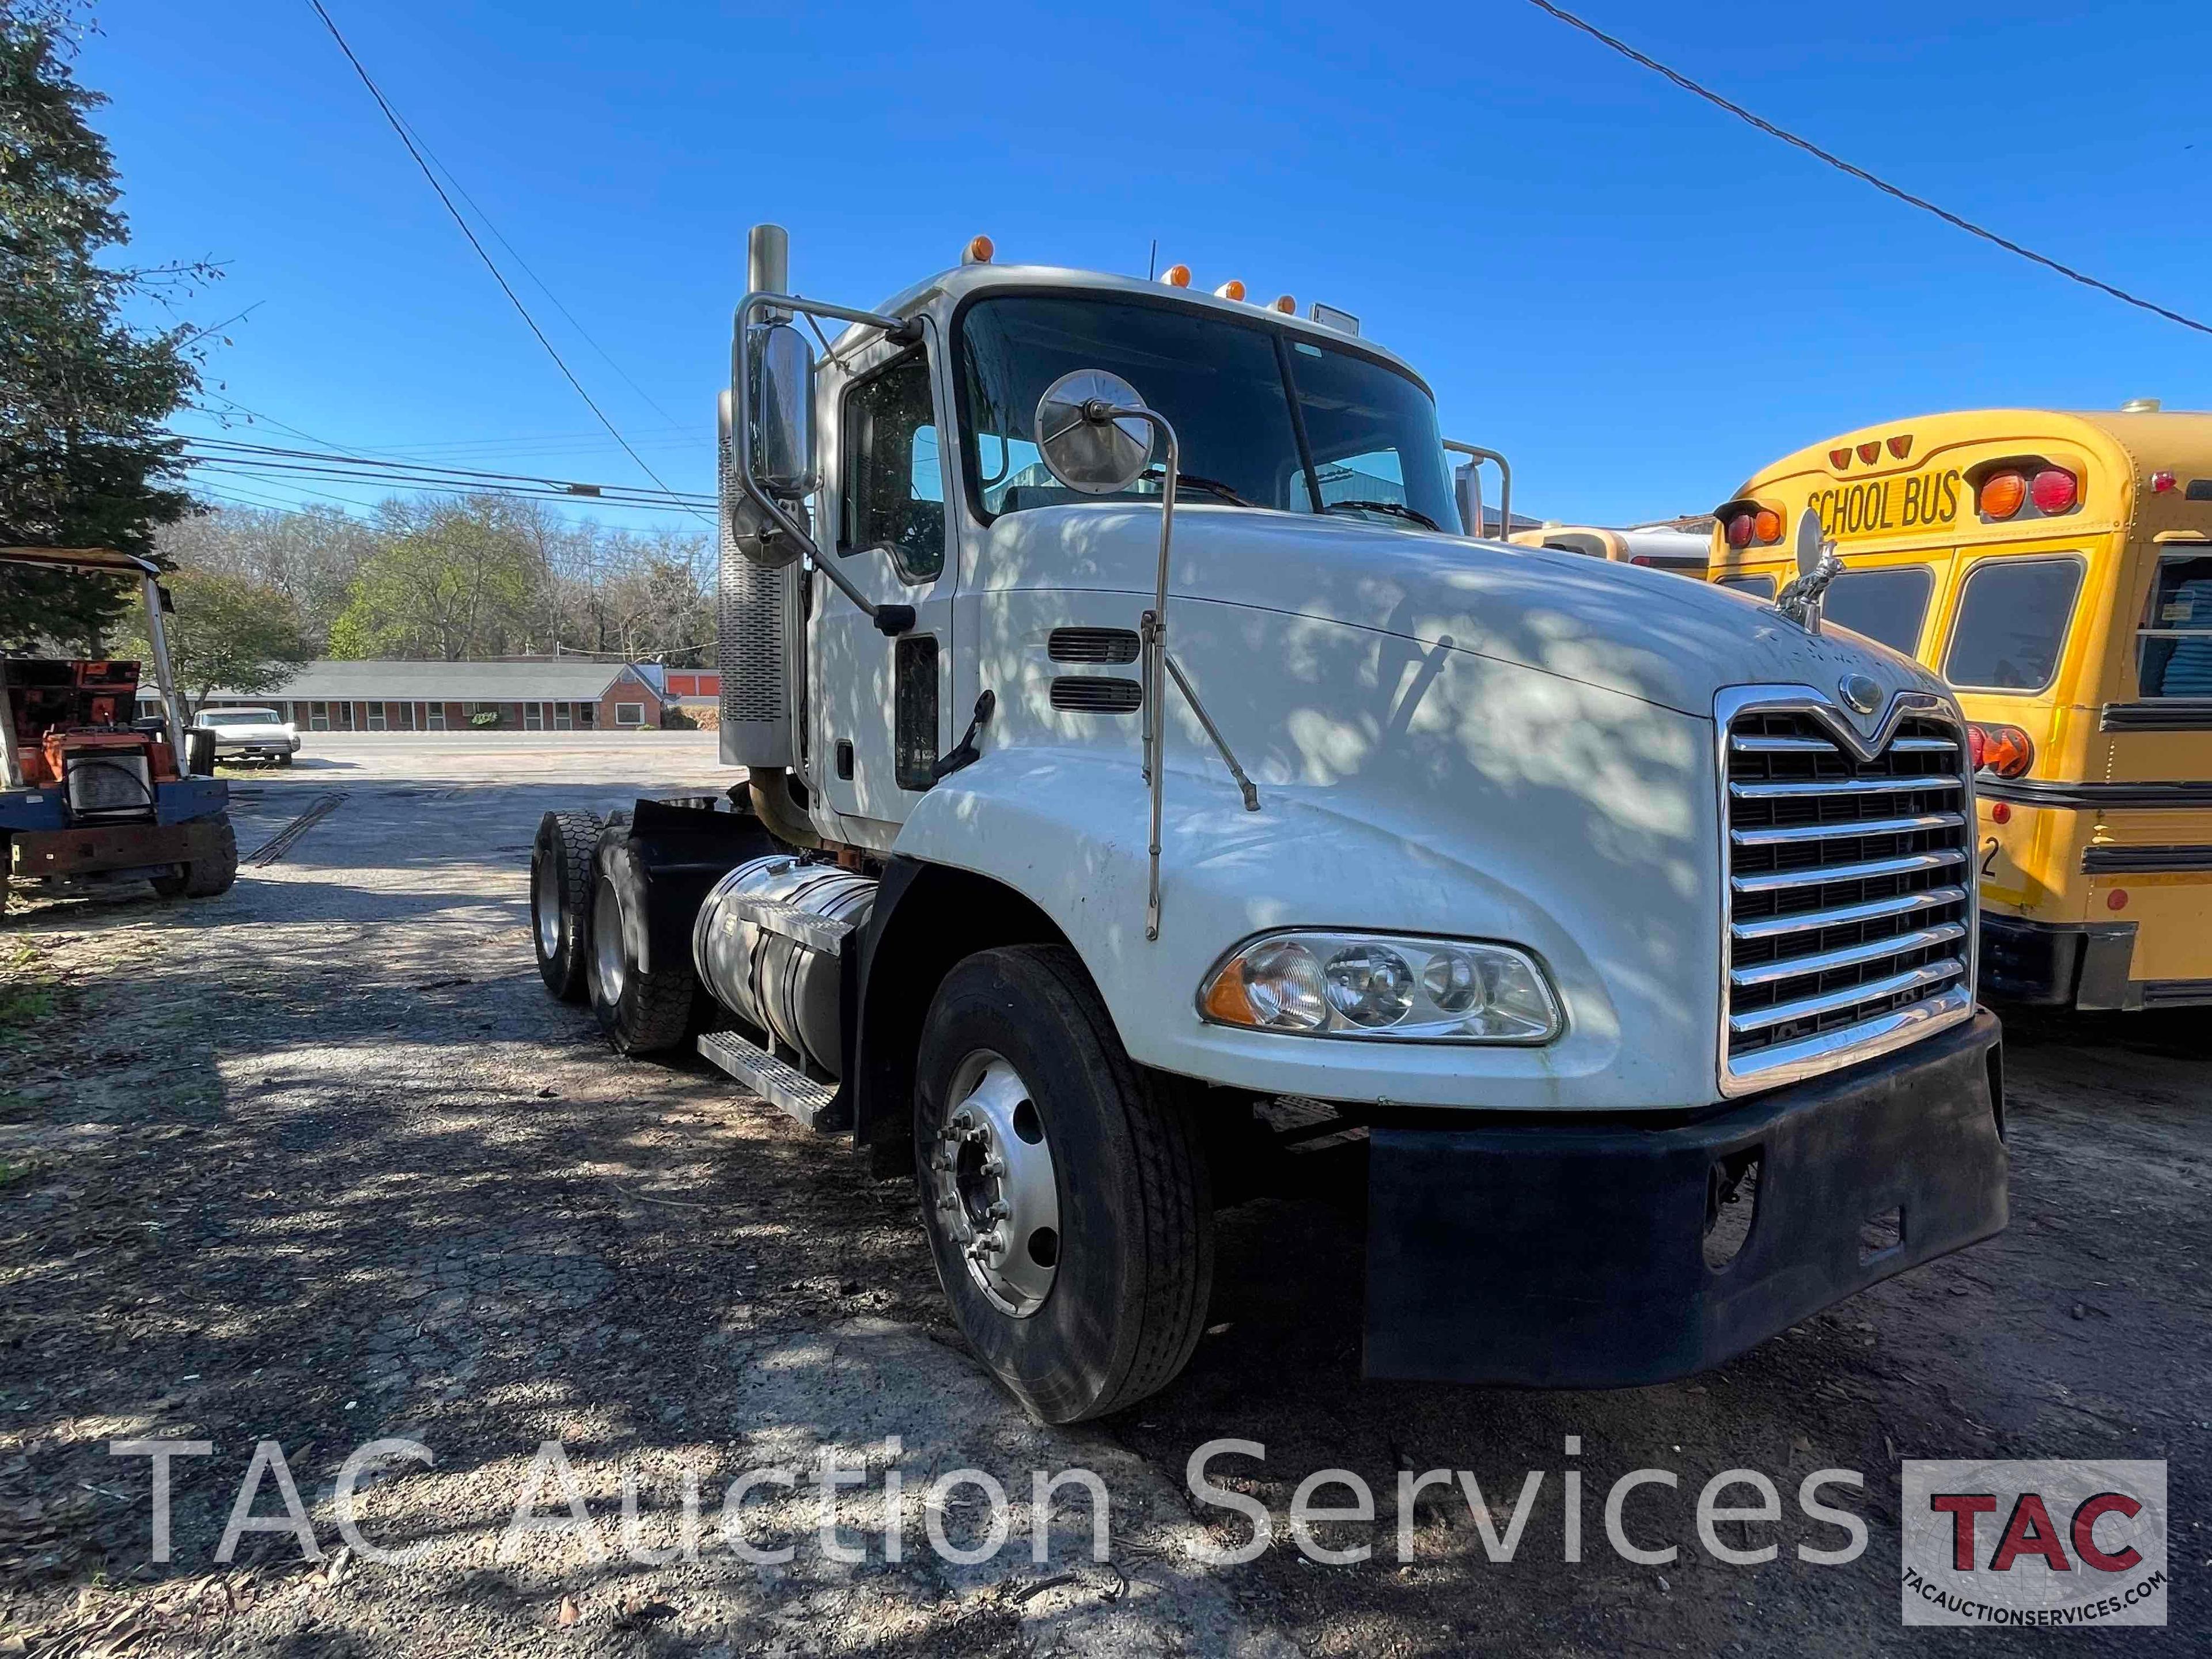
[[1383, 984]]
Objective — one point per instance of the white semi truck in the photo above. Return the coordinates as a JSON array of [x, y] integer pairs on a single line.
[[1132, 742]]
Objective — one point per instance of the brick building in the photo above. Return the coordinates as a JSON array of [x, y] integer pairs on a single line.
[[561, 694]]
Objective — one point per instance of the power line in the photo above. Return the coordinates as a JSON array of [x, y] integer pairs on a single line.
[[399, 128], [225, 448], [500, 237], [1863, 176], [288, 473]]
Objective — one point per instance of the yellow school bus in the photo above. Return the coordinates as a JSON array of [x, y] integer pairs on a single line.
[[2056, 569]]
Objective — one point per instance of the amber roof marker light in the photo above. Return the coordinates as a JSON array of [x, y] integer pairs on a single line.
[[978, 252]]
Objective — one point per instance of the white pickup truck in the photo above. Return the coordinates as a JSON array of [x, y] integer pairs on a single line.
[[1131, 741]]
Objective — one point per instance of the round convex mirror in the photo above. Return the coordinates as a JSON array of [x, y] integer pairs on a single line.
[[1098, 456], [1810, 543]]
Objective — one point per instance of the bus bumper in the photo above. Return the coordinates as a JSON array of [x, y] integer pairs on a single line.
[[2075, 965], [1575, 1255]]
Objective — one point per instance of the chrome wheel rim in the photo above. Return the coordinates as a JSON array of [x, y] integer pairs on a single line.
[[609, 964], [992, 1183], [545, 901]]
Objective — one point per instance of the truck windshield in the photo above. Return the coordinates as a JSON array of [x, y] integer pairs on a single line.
[[1266, 418]]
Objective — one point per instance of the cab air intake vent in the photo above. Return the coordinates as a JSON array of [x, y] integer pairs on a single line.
[[1097, 694], [1092, 645]]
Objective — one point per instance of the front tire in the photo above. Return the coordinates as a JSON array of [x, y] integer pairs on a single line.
[[1089, 1308], [560, 886]]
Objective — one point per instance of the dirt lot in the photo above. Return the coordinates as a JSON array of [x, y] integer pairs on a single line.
[[318, 1162]]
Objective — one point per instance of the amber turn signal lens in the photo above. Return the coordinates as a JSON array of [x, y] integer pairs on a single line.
[[1227, 1001], [2002, 495], [1176, 276], [2004, 751], [1767, 526]]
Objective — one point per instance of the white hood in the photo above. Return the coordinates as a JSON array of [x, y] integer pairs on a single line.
[[1665, 638]]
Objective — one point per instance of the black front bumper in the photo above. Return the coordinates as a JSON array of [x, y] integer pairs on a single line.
[[1574, 1255]]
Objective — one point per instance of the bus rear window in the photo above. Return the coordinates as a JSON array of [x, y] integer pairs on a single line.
[[1887, 606], [1758, 587], [2011, 623], [2176, 659]]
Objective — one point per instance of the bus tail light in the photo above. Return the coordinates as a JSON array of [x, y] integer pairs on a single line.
[[2055, 490], [1738, 530], [2004, 751], [2002, 495]]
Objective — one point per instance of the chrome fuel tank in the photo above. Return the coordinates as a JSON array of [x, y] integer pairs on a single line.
[[766, 946]]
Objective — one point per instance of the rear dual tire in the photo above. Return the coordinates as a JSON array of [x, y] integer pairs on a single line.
[[560, 893]]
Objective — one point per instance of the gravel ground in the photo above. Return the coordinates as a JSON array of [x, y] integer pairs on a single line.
[[318, 1164]]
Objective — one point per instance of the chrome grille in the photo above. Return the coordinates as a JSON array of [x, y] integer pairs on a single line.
[[1851, 893]]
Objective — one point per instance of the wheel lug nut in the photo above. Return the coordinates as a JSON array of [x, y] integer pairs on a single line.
[[998, 1211], [994, 1167]]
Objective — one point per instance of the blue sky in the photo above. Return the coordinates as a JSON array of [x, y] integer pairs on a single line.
[[1637, 297]]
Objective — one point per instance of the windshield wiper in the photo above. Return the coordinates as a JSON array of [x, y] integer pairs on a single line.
[[1396, 509], [1198, 481]]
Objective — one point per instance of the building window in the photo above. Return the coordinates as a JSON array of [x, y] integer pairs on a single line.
[[534, 717], [437, 720], [629, 714], [319, 717], [376, 717], [564, 716]]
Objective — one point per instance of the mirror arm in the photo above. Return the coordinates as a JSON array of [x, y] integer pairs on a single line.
[[1153, 632], [1243, 784], [1479, 455], [891, 619]]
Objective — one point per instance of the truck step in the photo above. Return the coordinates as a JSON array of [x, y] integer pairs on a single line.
[[814, 932], [819, 1106]]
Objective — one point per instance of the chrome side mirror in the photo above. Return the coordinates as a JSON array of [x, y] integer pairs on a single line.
[[1086, 444], [780, 403]]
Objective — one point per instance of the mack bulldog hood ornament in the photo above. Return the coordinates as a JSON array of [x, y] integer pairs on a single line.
[[1817, 565]]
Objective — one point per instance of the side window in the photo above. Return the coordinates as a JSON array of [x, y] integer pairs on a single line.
[[894, 494], [1888, 605], [2173, 652], [1758, 587], [2011, 623]]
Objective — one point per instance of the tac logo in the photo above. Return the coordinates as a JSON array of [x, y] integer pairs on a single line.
[[2054, 1543]]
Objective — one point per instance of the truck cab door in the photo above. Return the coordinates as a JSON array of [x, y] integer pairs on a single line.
[[880, 703]]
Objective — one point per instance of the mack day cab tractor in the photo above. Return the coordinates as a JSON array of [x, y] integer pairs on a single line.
[[89, 801], [1128, 748]]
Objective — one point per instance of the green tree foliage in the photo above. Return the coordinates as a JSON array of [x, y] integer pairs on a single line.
[[83, 395], [452, 581], [399, 578], [229, 633]]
